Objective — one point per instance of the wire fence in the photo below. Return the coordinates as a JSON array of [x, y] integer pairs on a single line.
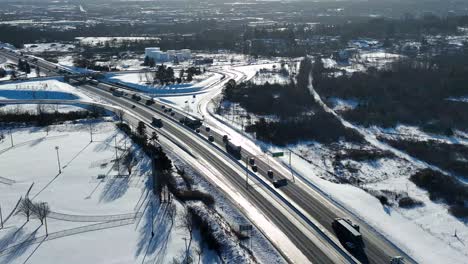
[[65, 233], [93, 218], [6, 181]]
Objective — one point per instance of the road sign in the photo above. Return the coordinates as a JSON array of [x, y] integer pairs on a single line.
[[277, 154]]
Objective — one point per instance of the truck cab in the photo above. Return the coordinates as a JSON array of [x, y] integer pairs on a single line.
[[397, 260], [348, 233], [157, 122]]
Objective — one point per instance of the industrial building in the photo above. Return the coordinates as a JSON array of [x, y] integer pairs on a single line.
[[170, 55]]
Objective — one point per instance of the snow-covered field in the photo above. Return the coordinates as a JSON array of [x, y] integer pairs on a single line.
[[139, 81], [339, 104], [95, 41], [98, 215], [48, 47], [363, 60], [33, 108], [44, 89]]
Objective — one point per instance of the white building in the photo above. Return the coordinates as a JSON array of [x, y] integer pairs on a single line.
[[170, 55]]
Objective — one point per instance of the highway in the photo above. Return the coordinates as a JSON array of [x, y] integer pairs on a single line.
[[220, 161], [305, 215]]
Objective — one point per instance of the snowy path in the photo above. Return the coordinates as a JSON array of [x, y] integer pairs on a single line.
[[6, 181]]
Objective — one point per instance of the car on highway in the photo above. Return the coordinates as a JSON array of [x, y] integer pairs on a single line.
[[254, 168], [270, 174]]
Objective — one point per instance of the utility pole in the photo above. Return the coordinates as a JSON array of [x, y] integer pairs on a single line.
[[58, 159], [290, 167], [1, 218], [247, 172], [152, 220], [116, 156], [46, 229], [91, 132], [11, 138]]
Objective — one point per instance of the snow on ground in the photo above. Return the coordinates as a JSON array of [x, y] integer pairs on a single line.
[[96, 41], [8, 66], [414, 230], [127, 64], [33, 108], [48, 47], [339, 104], [97, 214], [459, 99], [65, 60], [263, 250], [44, 89], [363, 60], [139, 81], [187, 103], [329, 63], [271, 77], [251, 70], [413, 132], [379, 57]]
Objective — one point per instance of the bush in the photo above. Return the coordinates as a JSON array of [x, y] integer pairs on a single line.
[[195, 195], [206, 231], [45, 119], [459, 211], [447, 156], [363, 154], [383, 199], [408, 202], [442, 187], [322, 127]]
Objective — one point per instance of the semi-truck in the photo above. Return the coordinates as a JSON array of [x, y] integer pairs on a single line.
[[117, 92], [234, 150], [348, 233], [193, 123]]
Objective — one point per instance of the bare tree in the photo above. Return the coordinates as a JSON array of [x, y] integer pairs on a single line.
[[182, 258], [199, 252], [40, 109], [120, 114], [25, 208], [129, 161], [41, 211], [171, 212], [187, 223]]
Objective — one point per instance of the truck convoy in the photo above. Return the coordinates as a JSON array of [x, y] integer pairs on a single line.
[[348, 233]]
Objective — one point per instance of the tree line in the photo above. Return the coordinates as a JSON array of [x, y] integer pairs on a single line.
[[299, 117], [410, 91]]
